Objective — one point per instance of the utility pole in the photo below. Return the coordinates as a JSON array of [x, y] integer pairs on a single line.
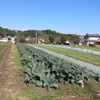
[[36, 37], [4, 33]]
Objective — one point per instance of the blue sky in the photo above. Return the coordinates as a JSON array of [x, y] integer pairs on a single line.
[[65, 16]]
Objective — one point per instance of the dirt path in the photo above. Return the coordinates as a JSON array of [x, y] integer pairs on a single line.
[[3, 71]]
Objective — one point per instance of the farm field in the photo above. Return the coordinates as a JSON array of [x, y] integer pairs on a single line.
[[75, 54], [87, 47], [15, 88]]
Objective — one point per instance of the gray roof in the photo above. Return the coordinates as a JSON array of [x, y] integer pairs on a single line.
[[92, 35]]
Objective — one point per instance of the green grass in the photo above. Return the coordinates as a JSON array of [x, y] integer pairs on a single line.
[[3, 52], [75, 54], [78, 91], [87, 47], [1, 45]]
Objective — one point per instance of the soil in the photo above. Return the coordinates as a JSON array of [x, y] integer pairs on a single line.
[[3, 71]]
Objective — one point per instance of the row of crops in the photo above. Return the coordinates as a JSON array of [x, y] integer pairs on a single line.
[[86, 47], [97, 53], [45, 70]]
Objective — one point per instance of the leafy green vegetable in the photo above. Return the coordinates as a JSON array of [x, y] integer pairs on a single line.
[[44, 70]]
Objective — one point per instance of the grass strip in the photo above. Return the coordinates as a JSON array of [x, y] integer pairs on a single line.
[[1, 44], [3, 52]]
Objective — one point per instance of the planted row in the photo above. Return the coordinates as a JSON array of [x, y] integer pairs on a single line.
[[44, 70], [79, 49]]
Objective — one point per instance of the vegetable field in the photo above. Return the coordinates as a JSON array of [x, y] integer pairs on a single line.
[[45, 70], [14, 85]]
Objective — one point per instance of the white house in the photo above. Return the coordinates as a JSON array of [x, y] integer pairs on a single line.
[[5, 39], [8, 39], [92, 39], [41, 40]]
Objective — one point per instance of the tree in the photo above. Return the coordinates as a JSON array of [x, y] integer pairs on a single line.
[[1, 32], [73, 37], [51, 39], [22, 39], [63, 39]]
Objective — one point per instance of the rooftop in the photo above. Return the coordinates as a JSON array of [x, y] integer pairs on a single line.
[[92, 35]]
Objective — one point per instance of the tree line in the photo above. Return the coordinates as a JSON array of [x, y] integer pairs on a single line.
[[6, 32], [33, 36]]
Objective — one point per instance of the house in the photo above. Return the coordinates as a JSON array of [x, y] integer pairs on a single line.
[[92, 39], [41, 40], [81, 40], [13, 39], [5, 39], [67, 43], [8, 39], [30, 40], [88, 39]]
